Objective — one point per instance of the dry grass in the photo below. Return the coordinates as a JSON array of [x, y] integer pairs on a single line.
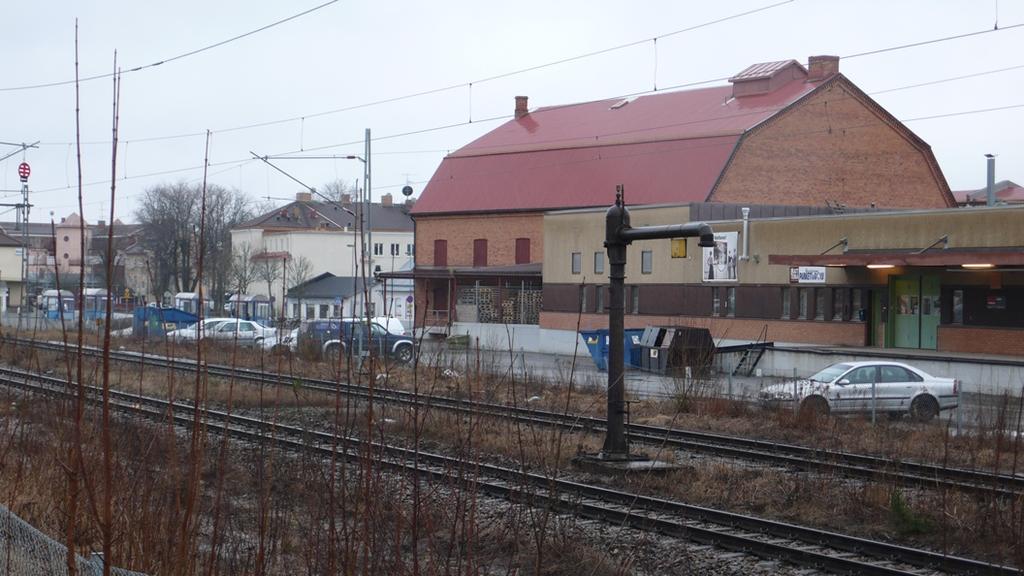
[[946, 521]]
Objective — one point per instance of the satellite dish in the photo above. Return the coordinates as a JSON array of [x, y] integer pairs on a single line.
[[407, 190]]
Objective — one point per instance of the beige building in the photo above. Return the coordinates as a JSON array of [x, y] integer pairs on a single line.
[[11, 284], [947, 279]]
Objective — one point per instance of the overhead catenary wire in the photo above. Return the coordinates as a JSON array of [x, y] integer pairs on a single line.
[[175, 58], [431, 91], [242, 161], [235, 162]]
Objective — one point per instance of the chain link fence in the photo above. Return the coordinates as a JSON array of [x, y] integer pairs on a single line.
[[26, 551]]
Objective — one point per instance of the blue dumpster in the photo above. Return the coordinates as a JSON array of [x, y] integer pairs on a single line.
[[597, 344], [152, 322]]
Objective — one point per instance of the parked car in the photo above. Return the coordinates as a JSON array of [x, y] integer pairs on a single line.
[[247, 332], [328, 339], [846, 387], [281, 341], [224, 330], [196, 330]]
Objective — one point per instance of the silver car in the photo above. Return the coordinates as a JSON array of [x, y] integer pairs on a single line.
[[857, 387]]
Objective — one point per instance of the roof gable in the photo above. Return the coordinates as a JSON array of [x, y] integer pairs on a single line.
[[668, 147]]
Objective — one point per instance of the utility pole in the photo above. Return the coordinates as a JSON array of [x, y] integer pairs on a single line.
[[618, 235], [369, 204], [24, 171]]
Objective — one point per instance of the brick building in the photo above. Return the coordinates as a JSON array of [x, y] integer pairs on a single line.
[[778, 134]]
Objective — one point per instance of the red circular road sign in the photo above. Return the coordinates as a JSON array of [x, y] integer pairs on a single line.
[[24, 170]]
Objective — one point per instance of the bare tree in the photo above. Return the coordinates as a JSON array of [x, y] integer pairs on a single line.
[[170, 215], [298, 271], [243, 269], [337, 189], [268, 269]]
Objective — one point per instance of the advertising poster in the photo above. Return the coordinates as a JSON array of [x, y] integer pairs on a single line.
[[719, 263]]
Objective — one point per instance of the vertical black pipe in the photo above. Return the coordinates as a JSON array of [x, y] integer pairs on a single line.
[[615, 445]]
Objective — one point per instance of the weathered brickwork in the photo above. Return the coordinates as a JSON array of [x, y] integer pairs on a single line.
[[832, 147], [500, 231], [1002, 341], [799, 331]]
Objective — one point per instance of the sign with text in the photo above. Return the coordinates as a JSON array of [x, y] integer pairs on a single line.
[[719, 262], [807, 275]]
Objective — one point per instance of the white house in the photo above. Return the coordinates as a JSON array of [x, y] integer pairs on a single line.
[[327, 236]]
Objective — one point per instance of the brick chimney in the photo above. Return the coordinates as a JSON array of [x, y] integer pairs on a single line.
[[303, 196], [822, 67], [346, 199], [521, 106], [386, 200]]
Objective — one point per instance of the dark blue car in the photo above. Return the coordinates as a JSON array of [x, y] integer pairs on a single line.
[[331, 338]]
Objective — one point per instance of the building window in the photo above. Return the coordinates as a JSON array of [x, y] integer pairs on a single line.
[[336, 311], [324, 310], [310, 311], [378, 249], [295, 309], [598, 262], [599, 297], [577, 262], [636, 300], [479, 253], [395, 249], [801, 295], [716, 302], [66, 238], [857, 306], [958, 306], [583, 297], [646, 262], [730, 301], [819, 303], [440, 252], [838, 304], [409, 250], [65, 255], [522, 250], [785, 303]]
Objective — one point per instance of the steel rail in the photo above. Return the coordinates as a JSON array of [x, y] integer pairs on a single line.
[[800, 545], [861, 466]]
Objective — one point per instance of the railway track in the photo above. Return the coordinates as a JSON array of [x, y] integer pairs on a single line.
[[799, 545], [852, 465]]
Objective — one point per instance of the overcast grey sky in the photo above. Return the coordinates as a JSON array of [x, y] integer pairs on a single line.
[[351, 53]]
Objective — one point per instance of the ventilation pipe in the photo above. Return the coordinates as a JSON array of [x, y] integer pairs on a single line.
[[990, 190], [746, 233]]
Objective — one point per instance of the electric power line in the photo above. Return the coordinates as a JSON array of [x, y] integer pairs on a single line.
[[176, 57]]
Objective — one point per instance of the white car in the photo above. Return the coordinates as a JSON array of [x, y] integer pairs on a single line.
[[284, 341], [196, 330], [846, 387], [246, 332]]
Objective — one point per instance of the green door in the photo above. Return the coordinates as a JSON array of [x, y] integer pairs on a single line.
[[905, 308], [929, 312]]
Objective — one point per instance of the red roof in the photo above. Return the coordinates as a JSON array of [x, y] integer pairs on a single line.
[[1005, 191], [668, 147]]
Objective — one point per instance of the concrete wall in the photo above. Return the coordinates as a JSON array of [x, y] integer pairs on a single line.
[[977, 376]]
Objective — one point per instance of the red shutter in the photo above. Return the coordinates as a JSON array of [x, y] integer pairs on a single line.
[[479, 253], [522, 250], [440, 252]]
